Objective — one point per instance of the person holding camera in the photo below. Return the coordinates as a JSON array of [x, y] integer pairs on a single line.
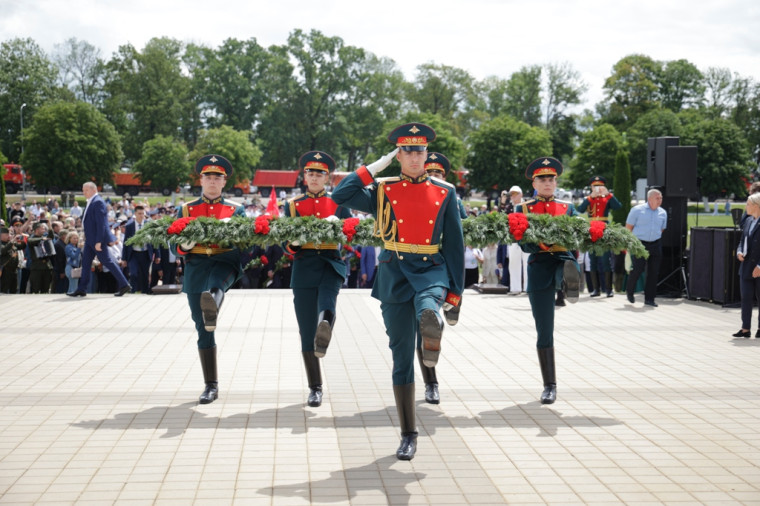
[[599, 204], [41, 267]]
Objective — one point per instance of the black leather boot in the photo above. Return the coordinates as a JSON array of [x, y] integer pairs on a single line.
[[594, 284], [546, 360], [608, 284], [404, 395], [431, 330], [431, 381], [211, 303], [208, 364], [314, 377], [324, 332]]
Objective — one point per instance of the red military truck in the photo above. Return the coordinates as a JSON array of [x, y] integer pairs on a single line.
[[129, 182], [14, 177]]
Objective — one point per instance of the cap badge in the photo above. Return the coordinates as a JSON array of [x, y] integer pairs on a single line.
[[414, 129], [213, 159], [546, 161], [317, 156]]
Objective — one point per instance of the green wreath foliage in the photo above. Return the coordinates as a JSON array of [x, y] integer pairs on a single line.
[[478, 231]]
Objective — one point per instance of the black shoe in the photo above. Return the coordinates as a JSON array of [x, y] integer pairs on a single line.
[[408, 446], [431, 330], [549, 395], [322, 338], [610, 294], [757, 334], [745, 334], [124, 289], [431, 393], [560, 303], [653, 304], [209, 310], [77, 293], [630, 298], [571, 281], [595, 293], [315, 397], [210, 394]]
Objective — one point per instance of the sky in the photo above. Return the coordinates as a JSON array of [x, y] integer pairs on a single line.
[[483, 37]]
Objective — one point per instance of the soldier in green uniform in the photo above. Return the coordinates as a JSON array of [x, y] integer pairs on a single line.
[[318, 271], [210, 270], [550, 268], [421, 264]]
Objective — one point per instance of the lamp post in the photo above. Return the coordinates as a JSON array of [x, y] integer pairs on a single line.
[[23, 173]]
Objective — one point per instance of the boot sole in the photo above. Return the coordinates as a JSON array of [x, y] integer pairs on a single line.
[[209, 310], [322, 339], [431, 331], [572, 279]]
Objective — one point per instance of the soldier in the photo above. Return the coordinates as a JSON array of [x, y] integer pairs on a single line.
[[421, 264], [438, 166], [318, 271], [550, 268], [209, 269], [599, 205]]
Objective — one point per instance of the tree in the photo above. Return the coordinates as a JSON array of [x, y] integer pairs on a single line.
[[81, 70], [718, 87], [523, 95], [235, 146], [621, 185], [632, 90], [148, 94], [68, 144], [501, 150], [564, 88], [26, 77], [681, 85], [446, 91], [724, 157], [163, 162], [595, 155], [655, 123]]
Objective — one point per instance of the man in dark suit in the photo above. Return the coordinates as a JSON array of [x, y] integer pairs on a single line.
[[137, 257], [97, 239], [748, 253]]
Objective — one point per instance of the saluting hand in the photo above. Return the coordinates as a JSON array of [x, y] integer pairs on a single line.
[[382, 163]]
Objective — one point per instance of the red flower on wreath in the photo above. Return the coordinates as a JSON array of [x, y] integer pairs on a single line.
[[596, 230], [358, 254], [349, 227], [261, 225], [348, 248], [264, 260], [518, 224], [179, 225]]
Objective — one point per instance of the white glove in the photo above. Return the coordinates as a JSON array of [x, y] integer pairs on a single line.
[[187, 246], [295, 243], [332, 217], [382, 163]]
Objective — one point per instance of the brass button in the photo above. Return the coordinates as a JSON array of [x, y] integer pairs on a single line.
[[316, 201], [424, 259], [443, 191], [427, 241], [318, 214], [402, 239], [438, 203], [431, 222], [404, 184], [395, 202], [401, 257], [401, 221]]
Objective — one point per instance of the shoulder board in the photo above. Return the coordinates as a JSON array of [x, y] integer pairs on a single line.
[[232, 203], [441, 182], [528, 202], [386, 180], [296, 198]]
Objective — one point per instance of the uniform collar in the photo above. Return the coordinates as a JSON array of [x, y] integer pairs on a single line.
[[420, 179], [212, 201], [315, 195], [544, 199]]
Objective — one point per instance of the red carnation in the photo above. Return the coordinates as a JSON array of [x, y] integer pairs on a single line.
[[261, 225], [179, 225], [358, 254], [264, 260], [349, 227], [348, 248], [596, 230], [518, 224]]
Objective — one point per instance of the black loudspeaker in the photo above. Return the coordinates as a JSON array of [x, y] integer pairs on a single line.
[[681, 171], [656, 159], [713, 267], [675, 232]]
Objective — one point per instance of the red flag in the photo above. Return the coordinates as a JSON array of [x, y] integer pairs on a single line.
[[272, 209]]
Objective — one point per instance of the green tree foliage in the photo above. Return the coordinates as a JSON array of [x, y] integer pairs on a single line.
[[163, 162], [81, 70], [681, 85], [523, 95], [501, 150], [70, 143], [445, 91], [148, 95], [231, 144], [621, 184], [564, 89], [595, 155], [655, 123], [26, 77], [723, 155], [632, 90]]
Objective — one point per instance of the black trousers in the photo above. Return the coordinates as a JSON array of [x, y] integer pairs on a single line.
[[652, 267]]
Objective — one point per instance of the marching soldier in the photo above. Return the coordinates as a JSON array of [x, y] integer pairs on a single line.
[[209, 269], [550, 268], [599, 205], [318, 271], [421, 264]]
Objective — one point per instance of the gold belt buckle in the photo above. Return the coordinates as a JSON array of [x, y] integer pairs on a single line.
[[413, 248]]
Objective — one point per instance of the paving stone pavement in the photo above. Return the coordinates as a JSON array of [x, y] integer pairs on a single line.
[[99, 406]]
